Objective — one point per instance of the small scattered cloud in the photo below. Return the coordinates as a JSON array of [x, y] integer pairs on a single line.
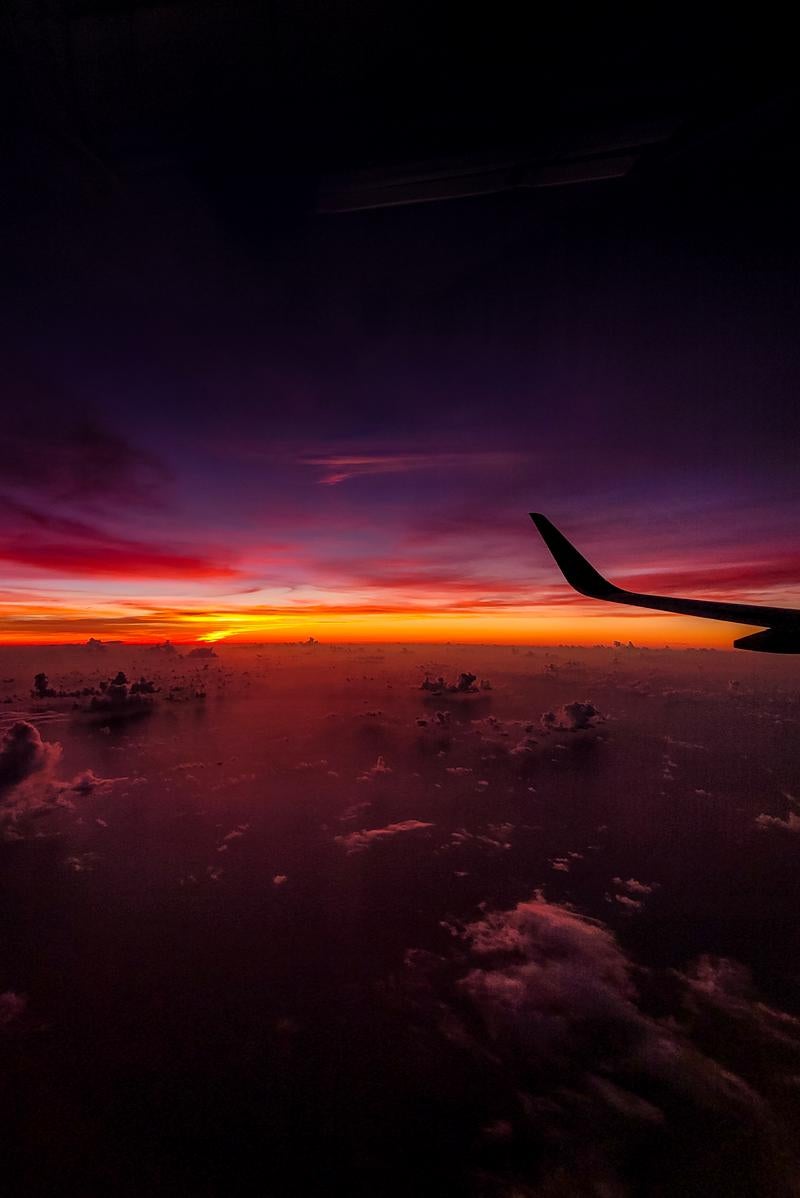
[[378, 770], [235, 834], [790, 824], [12, 1007], [358, 842], [88, 781], [572, 717], [634, 886], [82, 863], [496, 837]]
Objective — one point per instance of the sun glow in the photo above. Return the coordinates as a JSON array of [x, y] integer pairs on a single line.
[[45, 621], [531, 628]]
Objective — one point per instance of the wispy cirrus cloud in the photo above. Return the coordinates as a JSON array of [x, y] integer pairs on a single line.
[[340, 467], [736, 578]]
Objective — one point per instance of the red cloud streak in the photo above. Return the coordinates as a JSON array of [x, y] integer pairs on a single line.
[[119, 559], [740, 576], [64, 545]]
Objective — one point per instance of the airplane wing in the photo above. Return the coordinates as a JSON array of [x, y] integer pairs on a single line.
[[585, 579]]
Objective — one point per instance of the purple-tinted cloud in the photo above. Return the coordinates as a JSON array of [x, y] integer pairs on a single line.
[[571, 717], [339, 467], [77, 462], [358, 842], [23, 753]]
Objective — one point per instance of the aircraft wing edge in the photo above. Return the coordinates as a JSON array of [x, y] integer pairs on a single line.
[[583, 578]]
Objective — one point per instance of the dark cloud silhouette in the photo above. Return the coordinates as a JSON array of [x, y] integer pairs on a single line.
[[88, 781], [572, 717], [120, 699], [24, 753], [27, 786], [562, 1015], [164, 648], [464, 685], [78, 461]]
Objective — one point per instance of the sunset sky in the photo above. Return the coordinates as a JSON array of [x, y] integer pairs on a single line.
[[335, 427], [397, 866]]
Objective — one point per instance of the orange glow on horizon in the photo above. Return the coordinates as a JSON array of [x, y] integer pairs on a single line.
[[531, 626]]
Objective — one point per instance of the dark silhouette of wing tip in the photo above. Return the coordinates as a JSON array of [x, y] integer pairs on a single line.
[[573, 565], [781, 624]]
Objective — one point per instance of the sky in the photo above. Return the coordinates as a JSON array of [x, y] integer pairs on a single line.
[[227, 424]]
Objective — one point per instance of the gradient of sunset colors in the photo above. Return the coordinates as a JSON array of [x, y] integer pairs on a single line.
[[338, 430], [377, 545]]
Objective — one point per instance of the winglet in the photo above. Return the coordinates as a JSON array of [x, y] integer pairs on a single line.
[[575, 568]]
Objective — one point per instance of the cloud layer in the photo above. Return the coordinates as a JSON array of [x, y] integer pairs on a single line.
[[560, 1010]]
